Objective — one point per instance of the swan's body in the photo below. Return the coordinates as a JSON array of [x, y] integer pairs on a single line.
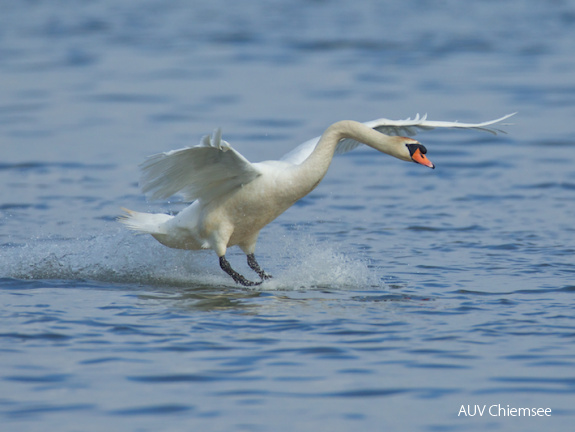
[[234, 199]]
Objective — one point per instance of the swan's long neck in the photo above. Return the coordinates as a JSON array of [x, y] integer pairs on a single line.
[[313, 169]]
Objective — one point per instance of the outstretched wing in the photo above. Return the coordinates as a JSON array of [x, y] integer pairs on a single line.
[[408, 127], [206, 171]]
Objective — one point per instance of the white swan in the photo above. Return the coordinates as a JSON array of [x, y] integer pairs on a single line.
[[234, 198]]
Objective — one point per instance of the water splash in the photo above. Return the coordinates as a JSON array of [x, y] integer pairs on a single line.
[[307, 263], [122, 257], [119, 257]]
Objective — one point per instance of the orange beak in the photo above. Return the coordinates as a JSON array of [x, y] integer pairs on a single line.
[[420, 158]]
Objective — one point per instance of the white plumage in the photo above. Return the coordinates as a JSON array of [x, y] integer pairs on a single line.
[[234, 198], [408, 127], [211, 169]]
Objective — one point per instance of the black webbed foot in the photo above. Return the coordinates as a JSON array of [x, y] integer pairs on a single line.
[[238, 278], [256, 267]]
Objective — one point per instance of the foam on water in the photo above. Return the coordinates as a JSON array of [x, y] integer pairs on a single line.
[[122, 257]]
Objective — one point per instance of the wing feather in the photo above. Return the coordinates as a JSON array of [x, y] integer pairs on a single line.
[[407, 127], [206, 171]]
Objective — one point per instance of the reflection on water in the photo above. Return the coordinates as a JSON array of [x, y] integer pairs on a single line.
[[206, 299]]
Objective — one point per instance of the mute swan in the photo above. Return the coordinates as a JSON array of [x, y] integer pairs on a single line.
[[233, 199]]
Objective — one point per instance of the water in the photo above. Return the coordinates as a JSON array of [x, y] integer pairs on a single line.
[[400, 294]]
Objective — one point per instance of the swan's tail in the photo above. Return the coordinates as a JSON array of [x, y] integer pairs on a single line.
[[149, 223]]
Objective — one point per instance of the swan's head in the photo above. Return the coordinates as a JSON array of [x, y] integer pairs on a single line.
[[417, 152], [412, 151]]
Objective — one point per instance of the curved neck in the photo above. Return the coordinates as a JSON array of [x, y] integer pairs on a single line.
[[327, 144], [313, 169]]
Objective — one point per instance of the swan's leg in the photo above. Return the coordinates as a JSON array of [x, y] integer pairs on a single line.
[[238, 278], [256, 267], [220, 237], [248, 245]]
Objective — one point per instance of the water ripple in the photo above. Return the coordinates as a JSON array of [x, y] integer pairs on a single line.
[[153, 410]]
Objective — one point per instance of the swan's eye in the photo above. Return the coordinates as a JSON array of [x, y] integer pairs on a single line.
[[414, 147]]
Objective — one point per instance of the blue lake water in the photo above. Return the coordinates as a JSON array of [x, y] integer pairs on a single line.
[[400, 294]]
